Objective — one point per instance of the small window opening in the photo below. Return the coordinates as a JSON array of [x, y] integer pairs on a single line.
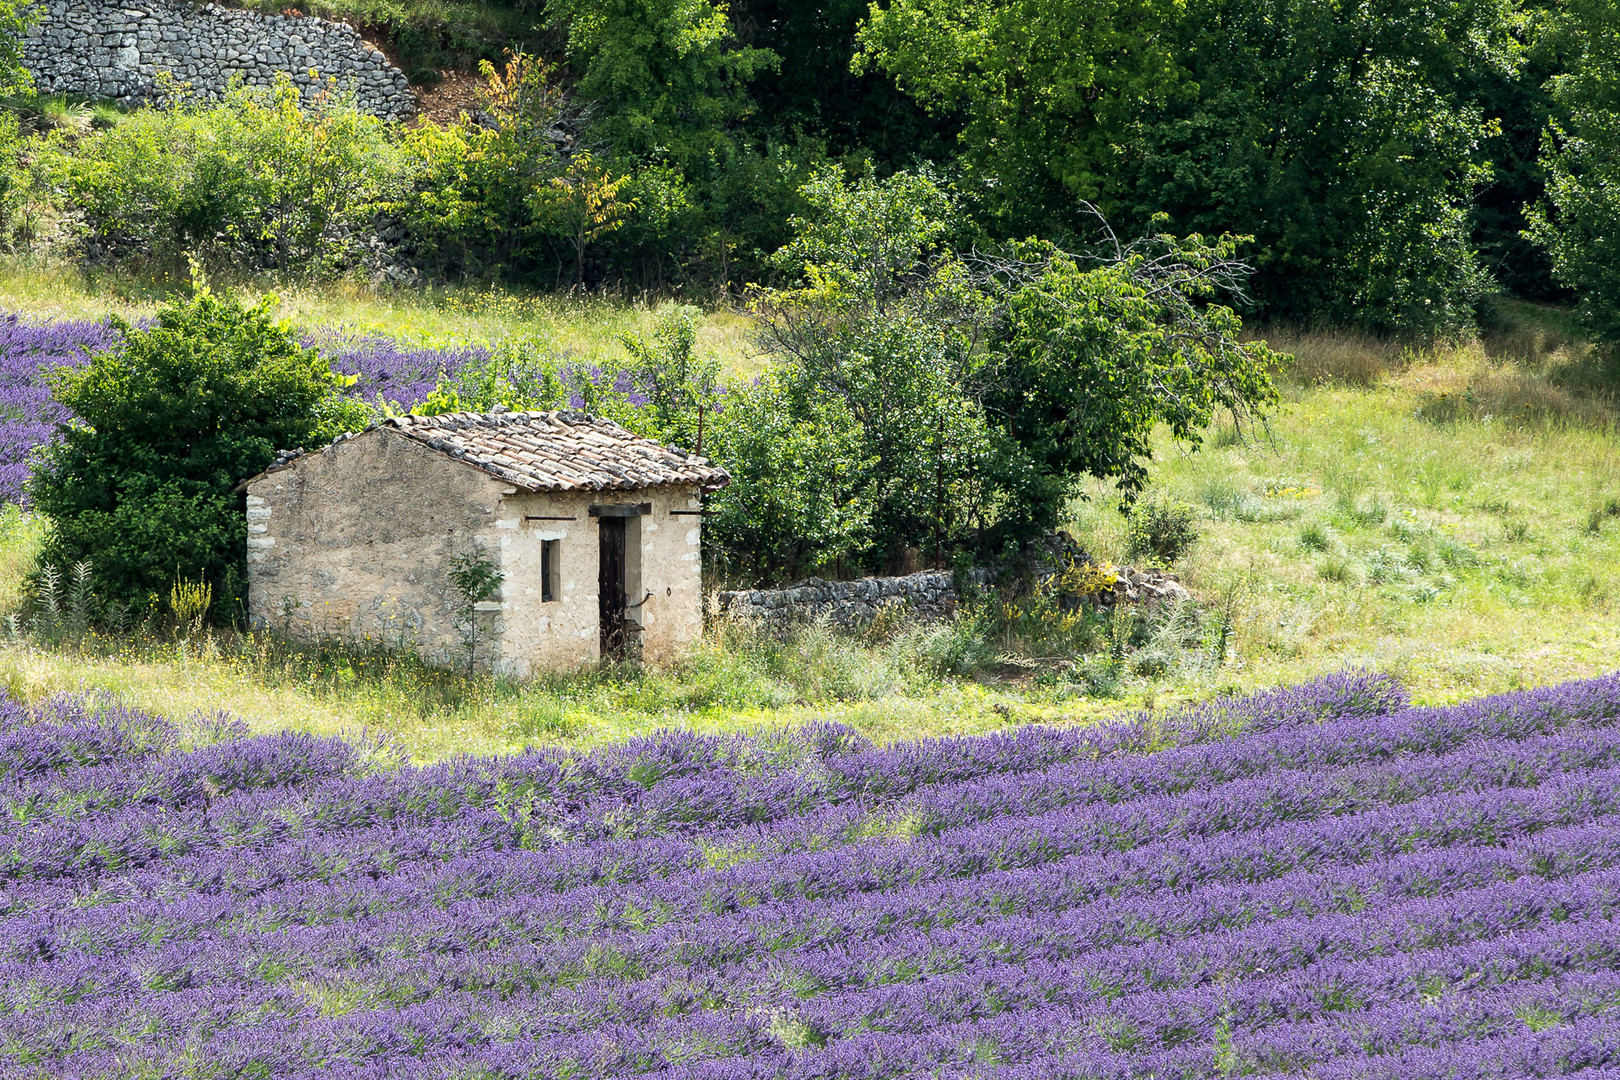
[[548, 571]]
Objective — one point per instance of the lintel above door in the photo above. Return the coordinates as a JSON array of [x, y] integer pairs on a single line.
[[621, 510]]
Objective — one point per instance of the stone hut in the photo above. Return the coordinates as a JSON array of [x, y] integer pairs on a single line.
[[597, 532]]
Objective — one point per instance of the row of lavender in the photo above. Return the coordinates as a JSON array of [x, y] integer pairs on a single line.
[[29, 351], [1319, 880]]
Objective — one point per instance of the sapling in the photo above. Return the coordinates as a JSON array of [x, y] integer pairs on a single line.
[[475, 580]]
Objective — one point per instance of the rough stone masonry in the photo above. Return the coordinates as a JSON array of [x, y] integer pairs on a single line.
[[929, 596], [117, 51]]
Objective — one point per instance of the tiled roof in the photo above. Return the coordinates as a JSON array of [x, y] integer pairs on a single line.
[[558, 451]]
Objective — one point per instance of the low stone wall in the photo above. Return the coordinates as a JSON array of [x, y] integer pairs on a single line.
[[111, 50], [928, 597]]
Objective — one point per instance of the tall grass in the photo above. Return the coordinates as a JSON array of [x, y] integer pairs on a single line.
[[1529, 364], [1439, 512]]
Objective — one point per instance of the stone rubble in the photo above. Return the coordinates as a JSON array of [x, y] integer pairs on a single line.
[[117, 51]]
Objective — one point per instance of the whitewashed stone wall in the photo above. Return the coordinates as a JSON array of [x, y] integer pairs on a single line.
[[663, 570], [117, 50]]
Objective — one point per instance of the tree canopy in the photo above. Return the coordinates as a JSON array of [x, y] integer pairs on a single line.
[[949, 401], [1391, 163]]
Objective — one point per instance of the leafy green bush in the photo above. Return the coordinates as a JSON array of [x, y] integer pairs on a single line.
[[947, 405], [259, 177], [799, 495], [882, 334], [473, 191], [1580, 222], [140, 484], [1161, 528]]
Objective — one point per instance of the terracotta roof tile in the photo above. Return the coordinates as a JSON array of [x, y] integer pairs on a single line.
[[558, 451]]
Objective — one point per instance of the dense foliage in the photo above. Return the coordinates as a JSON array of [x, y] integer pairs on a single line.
[[1580, 224], [140, 481], [1339, 135], [917, 399], [923, 399], [257, 179], [1313, 879], [1387, 160]]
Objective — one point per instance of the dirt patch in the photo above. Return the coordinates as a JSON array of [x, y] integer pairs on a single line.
[[454, 94]]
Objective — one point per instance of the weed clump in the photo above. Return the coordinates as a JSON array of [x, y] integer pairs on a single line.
[[1604, 511], [1161, 528]]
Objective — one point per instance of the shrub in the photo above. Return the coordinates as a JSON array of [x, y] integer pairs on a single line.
[[1162, 528], [141, 483], [470, 188], [982, 390], [260, 176]]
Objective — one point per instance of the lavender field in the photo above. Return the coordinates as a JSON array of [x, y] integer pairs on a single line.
[[1316, 881], [29, 351]]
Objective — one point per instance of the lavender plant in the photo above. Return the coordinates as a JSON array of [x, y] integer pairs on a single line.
[[1319, 880]]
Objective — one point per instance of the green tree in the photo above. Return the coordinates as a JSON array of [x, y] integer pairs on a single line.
[[1344, 137], [141, 483], [664, 75], [1579, 223], [668, 83], [1049, 89], [800, 486], [583, 204], [477, 192], [972, 393], [887, 323], [1093, 357]]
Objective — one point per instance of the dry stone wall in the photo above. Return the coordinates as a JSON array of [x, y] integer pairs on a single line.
[[929, 597], [926, 597], [111, 50]]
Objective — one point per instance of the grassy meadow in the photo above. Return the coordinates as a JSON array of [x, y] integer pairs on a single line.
[[1448, 514]]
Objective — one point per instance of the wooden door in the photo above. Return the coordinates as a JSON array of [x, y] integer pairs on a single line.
[[610, 588]]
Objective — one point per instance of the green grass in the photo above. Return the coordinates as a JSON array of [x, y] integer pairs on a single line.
[[584, 327], [1442, 515], [1449, 515], [735, 680]]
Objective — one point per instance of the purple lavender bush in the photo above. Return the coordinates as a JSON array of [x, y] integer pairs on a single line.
[[1315, 881]]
